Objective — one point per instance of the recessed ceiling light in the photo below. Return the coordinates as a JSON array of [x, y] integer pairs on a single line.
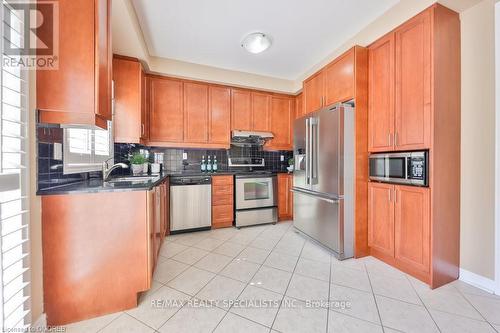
[[256, 42]]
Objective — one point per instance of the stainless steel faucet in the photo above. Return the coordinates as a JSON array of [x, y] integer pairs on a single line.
[[107, 171]]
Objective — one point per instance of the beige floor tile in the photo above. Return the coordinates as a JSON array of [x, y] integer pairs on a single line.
[[235, 324], [404, 316], [354, 302], [315, 252], [229, 249], [380, 268], [299, 318], [222, 290], [449, 301], [194, 320], [168, 269], [191, 281], [258, 305], [468, 289], [271, 279], [213, 262], [254, 255], [315, 269], [158, 307], [190, 256], [170, 249], [290, 247], [209, 244], [400, 289], [487, 306], [240, 270], [352, 278], [449, 323], [340, 323], [192, 238], [91, 325], [126, 324], [358, 264], [264, 243], [223, 234], [243, 238], [281, 261], [307, 289]]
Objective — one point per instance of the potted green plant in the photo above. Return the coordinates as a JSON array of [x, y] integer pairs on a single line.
[[291, 161], [137, 162]]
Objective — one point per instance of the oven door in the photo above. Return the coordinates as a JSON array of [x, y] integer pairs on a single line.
[[389, 167], [255, 192]]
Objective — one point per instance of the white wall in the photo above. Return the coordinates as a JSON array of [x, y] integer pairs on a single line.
[[497, 155]]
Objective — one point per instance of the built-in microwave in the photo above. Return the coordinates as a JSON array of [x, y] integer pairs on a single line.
[[410, 168]]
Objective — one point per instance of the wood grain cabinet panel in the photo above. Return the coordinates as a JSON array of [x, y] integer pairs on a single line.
[[381, 94], [314, 88], [145, 88], [241, 110], [195, 112], [282, 114], [104, 58], [339, 79], [166, 110], [222, 201], [299, 106], [381, 218], [285, 196], [261, 105], [220, 115], [412, 227], [413, 83]]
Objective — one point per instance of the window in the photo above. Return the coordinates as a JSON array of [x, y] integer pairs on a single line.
[[85, 149], [14, 181]]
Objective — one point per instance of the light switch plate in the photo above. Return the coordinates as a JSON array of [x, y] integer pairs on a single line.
[[282, 158], [184, 156], [57, 154]]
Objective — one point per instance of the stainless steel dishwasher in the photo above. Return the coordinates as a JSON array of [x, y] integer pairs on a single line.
[[190, 203]]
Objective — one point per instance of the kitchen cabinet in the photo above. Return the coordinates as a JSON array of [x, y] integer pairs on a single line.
[[261, 109], [381, 218], [241, 110], [220, 115], [314, 88], [381, 94], [222, 201], [79, 91], [166, 118], [285, 196], [129, 118], [299, 106], [282, 116], [339, 79], [195, 112]]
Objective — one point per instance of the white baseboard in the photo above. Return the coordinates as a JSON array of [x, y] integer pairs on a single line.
[[40, 323], [478, 281]]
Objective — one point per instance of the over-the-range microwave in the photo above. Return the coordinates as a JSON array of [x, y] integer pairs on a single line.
[[410, 168]]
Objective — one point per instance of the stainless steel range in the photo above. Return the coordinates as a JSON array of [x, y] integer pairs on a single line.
[[256, 196]]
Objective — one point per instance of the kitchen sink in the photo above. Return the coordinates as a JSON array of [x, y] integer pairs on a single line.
[[134, 179]]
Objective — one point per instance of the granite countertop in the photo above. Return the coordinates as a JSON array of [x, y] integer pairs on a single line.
[[95, 185]]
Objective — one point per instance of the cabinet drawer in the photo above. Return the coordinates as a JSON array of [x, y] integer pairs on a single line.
[[222, 213], [222, 200], [222, 190], [222, 180]]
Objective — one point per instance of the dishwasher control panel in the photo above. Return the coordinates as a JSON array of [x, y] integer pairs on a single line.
[[195, 180]]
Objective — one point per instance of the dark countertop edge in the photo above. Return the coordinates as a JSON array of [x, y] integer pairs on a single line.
[[83, 187]]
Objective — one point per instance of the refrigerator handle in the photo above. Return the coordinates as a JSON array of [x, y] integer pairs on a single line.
[[314, 150], [308, 152]]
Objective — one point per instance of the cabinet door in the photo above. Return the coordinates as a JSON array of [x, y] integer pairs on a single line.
[[220, 115], [195, 112], [339, 79], [412, 228], [381, 218], [290, 195], [261, 104], [104, 58], [166, 116], [381, 94], [413, 84], [282, 110], [313, 92], [283, 196], [241, 117], [299, 106], [144, 107], [127, 75]]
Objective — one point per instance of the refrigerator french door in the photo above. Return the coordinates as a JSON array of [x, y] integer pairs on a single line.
[[324, 177]]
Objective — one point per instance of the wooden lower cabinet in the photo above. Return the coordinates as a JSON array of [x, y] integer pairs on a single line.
[[285, 196], [222, 201], [399, 227]]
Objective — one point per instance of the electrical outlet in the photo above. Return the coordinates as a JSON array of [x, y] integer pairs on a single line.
[[57, 153], [184, 156], [282, 158]]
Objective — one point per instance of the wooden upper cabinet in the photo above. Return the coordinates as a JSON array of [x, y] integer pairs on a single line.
[[128, 77], [285, 197], [412, 227], [195, 112], [314, 88], [381, 218], [339, 79], [261, 105], [79, 91], [145, 87], [299, 106], [413, 83], [166, 122], [241, 110], [381, 94], [282, 113], [219, 105]]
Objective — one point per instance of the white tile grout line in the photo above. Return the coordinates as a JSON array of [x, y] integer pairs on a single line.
[[421, 300], [374, 298]]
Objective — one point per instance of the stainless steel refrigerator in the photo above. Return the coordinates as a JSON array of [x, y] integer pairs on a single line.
[[323, 179]]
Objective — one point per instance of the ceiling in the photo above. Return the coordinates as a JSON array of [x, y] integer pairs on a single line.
[[210, 32]]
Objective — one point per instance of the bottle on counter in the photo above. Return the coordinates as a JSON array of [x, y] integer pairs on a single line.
[[203, 164], [214, 166], [209, 165]]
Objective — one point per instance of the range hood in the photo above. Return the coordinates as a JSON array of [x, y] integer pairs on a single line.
[[250, 138]]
